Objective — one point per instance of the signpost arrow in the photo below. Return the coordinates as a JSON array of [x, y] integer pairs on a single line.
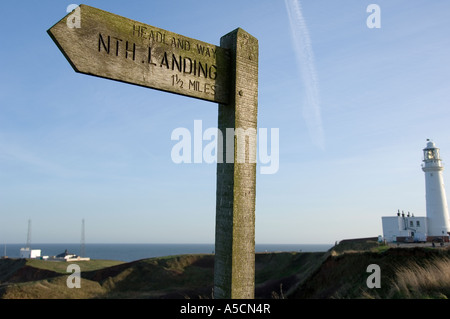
[[113, 47]]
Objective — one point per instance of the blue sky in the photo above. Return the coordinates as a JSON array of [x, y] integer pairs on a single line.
[[353, 105]]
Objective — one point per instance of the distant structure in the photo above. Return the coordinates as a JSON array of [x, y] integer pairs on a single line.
[[437, 209], [30, 253], [83, 243], [434, 227], [66, 256], [29, 235], [404, 228], [27, 252]]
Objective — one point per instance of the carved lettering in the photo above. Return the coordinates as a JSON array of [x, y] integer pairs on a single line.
[[165, 61], [117, 45], [187, 67], [181, 44], [143, 32], [194, 85], [101, 43], [179, 63], [204, 70], [205, 51], [130, 51], [197, 86], [190, 65], [182, 64], [212, 72], [177, 81], [149, 60], [138, 30]]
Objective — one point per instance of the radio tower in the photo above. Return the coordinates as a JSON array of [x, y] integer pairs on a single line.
[[29, 235], [83, 248]]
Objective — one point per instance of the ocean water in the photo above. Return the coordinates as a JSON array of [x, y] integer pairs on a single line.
[[131, 252]]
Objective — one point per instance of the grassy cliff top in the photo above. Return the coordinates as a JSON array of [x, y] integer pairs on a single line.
[[416, 272]]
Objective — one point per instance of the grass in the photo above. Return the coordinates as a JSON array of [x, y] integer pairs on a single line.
[[405, 273], [184, 276], [35, 278], [358, 246], [61, 267], [175, 276], [279, 274], [431, 280], [53, 288]]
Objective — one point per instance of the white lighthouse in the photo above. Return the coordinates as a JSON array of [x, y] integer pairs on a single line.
[[436, 201]]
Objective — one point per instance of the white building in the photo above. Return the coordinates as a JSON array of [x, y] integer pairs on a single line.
[[404, 228], [30, 253], [66, 256], [436, 225]]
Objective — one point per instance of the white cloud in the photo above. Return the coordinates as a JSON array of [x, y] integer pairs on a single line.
[[305, 58]]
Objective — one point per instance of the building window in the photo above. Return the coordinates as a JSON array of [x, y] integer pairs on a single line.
[[411, 223], [417, 223]]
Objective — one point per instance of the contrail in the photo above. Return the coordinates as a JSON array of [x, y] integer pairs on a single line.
[[305, 60]]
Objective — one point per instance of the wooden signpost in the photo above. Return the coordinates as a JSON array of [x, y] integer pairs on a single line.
[[113, 47], [117, 48]]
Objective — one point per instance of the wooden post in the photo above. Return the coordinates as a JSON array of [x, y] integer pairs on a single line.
[[234, 269], [118, 48]]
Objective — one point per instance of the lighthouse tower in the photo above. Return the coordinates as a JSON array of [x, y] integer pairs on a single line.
[[436, 200]]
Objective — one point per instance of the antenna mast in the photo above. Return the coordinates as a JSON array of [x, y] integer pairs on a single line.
[[29, 234], [83, 248]]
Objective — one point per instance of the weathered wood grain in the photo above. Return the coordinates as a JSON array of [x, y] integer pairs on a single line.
[[234, 269], [117, 48]]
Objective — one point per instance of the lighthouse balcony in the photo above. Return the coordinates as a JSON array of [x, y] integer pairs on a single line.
[[433, 166]]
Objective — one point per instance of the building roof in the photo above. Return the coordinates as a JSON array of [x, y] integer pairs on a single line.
[[64, 254]]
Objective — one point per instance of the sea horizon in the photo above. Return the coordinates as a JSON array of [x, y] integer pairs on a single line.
[[134, 251]]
